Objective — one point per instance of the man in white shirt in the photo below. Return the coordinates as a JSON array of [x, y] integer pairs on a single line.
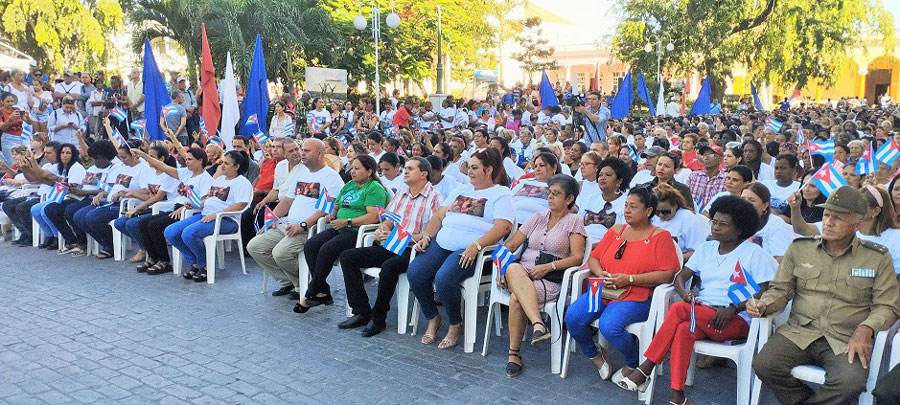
[[783, 185], [277, 249], [68, 87], [672, 109], [447, 114], [136, 94]]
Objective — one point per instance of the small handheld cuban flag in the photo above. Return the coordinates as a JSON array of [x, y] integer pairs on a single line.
[[343, 140], [773, 124], [103, 186], [460, 121], [192, 197], [694, 314], [203, 126], [217, 141], [117, 136], [269, 218], [502, 258], [84, 125], [595, 292], [824, 148], [252, 120], [169, 109], [397, 240], [828, 179], [325, 203], [888, 153], [118, 114], [352, 131], [393, 130], [261, 137], [385, 214], [801, 137], [58, 193], [290, 128], [867, 162], [140, 125], [743, 285], [631, 154], [27, 131]]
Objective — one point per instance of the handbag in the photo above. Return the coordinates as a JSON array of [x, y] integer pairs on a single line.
[[612, 294], [553, 276]]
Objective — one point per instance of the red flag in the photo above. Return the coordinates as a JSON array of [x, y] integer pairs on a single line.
[[211, 112]]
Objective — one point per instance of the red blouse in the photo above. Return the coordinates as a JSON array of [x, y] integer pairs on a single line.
[[641, 256]]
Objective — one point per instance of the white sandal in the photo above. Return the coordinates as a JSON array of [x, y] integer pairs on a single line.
[[629, 385], [605, 369]]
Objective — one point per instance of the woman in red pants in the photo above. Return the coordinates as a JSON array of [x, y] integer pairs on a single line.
[[730, 268]]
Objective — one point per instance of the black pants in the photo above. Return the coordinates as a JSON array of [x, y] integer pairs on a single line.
[[392, 266], [56, 214], [321, 252], [19, 212], [249, 222], [152, 237], [887, 391]]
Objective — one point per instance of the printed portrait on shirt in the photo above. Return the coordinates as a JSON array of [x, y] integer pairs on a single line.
[[219, 192], [757, 240], [182, 189], [124, 180], [310, 190], [154, 188], [533, 191], [91, 178], [469, 206], [606, 216]]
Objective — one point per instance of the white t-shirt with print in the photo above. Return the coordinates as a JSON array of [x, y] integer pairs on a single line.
[[305, 188], [775, 236], [92, 175], [323, 117], [471, 214], [75, 176], [224, 193], [530, 197], [123, 177], [161, 183], [685, 227], [593, 212], [715, 270], [780, 194], [44, 189], [200, 183]]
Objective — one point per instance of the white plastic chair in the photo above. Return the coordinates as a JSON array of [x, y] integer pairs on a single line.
[[304, 274], [176, 254], [119, 241], [816, 375], [895, 352], [555, 309], [644, 331], [216, 243], [741, 354]]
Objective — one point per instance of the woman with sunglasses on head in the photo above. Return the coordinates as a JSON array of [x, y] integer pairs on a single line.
[[674, 215], [632, 259], [714, 263], [530, 195]]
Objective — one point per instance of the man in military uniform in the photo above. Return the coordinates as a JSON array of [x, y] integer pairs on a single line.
[[844, 291]]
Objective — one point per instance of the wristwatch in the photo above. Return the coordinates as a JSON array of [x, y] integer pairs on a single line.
[[630, 279], [349, 221], [304, 226]]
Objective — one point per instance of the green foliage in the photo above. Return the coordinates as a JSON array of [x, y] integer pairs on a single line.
[[787, 42], [61, 34], [535, 48]]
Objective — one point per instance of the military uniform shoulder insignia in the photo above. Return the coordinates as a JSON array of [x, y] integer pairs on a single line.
[[809, 238], [874, 246]]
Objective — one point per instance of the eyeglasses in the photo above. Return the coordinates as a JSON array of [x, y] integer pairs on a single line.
[[621, 250], [664, 212]]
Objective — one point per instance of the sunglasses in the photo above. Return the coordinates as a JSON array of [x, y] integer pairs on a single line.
[[664, 212], [621, 250]]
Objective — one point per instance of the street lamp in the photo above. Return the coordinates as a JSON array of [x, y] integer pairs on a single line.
[[649, 48], [392, 21]]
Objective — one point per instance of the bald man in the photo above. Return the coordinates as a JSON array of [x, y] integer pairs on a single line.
[[276, 249]]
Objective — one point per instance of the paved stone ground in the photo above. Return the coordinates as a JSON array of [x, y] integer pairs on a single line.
[[79, 330]]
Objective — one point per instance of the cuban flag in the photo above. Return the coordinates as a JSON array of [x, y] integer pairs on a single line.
[[773, 124], [117, 136], [867, 162], [169, 109], [325, 203], [801, 137], [192, 197], [631, 154], [502, 258], [139, 125], [888, 153], [743, 286], [828, 179], [261, 137], [118, 114], [290, 128], [352, 131], [700, 205], [397, 240], [84, 125], [252, 120], [103, 186], [594, 293], [27, 131], [824, 148], [58, 193], [460, 121], [344, 141], [269, 218], [216, 141], [385, 214], [693, 326], [203, 126]]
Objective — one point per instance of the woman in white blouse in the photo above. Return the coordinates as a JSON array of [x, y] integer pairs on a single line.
[[280, 120]]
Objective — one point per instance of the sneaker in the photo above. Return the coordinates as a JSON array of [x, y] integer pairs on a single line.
[[77, 251], [67, 249]]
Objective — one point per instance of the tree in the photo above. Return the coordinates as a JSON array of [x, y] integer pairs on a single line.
[[787, 42], [61, 34], [536, 53]]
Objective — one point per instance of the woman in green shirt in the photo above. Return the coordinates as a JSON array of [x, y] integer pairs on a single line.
[[355, 205]]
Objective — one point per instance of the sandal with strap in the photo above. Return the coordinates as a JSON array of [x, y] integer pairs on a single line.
[[538, 336], [513, 369], [683, 402], [200, 276], [428, 338], [102, 255], [629, 385], [190, 275]]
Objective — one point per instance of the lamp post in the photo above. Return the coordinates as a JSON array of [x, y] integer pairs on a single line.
[[440, 64], [392, 21], [649, 48]]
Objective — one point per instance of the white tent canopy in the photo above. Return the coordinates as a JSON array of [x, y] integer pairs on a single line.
[[12, 58]]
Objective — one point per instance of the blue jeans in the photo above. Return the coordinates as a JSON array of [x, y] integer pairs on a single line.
[[440, 266], [8, 142], [95, 221], [129, 227], [613, 318], [40, 216], [187, 236]]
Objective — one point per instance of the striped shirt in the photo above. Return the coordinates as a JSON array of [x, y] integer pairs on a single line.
[[416, 210]]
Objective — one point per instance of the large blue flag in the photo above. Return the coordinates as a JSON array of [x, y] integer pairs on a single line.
[[756, 101], [702, 103], [548, 96], [155, 94], [644, 94], [257, 99], [624, 98]]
